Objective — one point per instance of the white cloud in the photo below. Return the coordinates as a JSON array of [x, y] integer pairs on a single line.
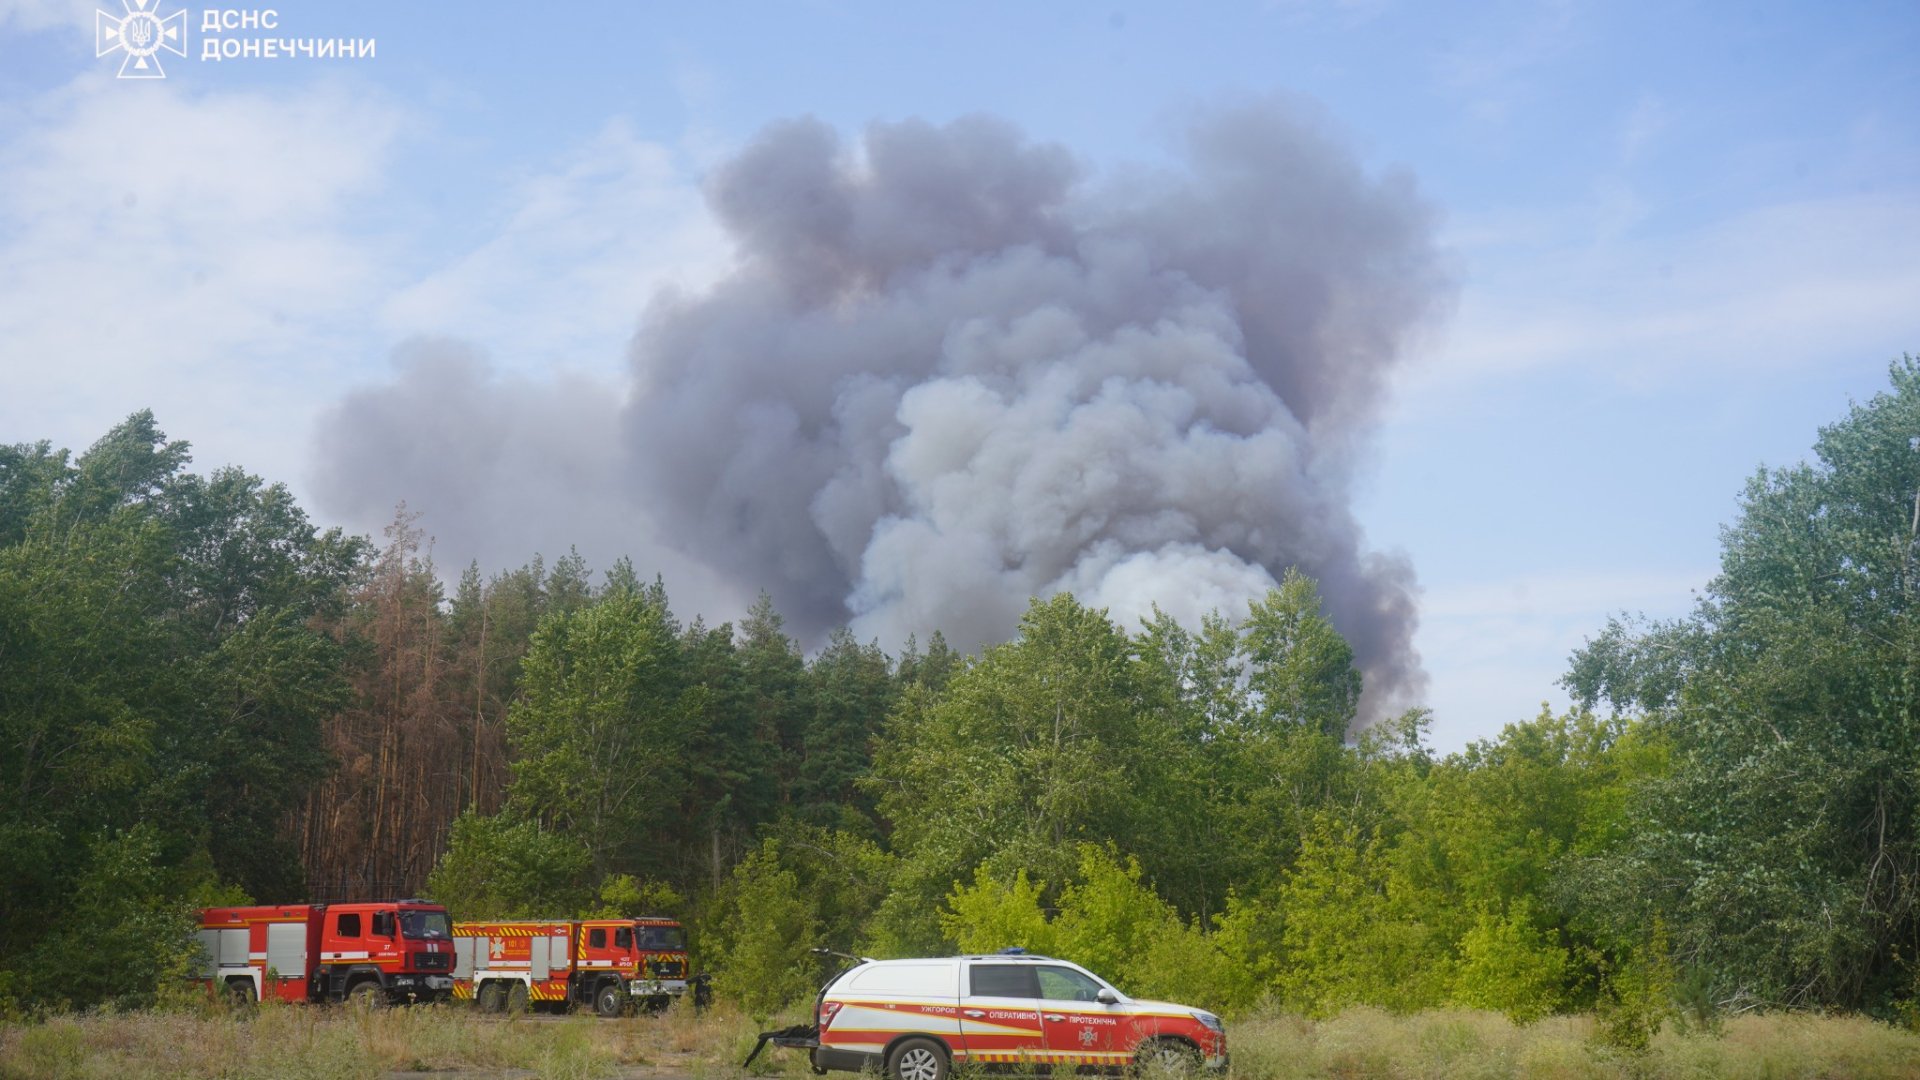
[[577, 253], [190, 252], [209, 254], [1774, 287]]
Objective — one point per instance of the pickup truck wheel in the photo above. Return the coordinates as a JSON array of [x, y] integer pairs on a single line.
[[917, 1059], [1166, 1057], [606, 1000]]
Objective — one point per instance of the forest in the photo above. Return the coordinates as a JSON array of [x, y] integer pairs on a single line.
[[207, 697]]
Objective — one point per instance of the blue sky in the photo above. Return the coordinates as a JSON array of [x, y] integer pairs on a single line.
[[1686, 235]]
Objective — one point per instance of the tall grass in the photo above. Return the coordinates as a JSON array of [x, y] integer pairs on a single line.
[[343, 1044], [1487, 1046]]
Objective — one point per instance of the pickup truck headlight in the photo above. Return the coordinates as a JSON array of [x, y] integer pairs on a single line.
[[1211, 1021]]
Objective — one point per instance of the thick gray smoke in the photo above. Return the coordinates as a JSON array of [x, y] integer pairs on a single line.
[[949, 372], [948, 376], [499, 468]]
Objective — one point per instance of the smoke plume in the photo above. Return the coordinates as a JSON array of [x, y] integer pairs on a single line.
[[950, 371], [947, 376]]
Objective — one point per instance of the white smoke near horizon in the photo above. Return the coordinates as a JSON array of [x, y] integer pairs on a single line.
[[949, 372]]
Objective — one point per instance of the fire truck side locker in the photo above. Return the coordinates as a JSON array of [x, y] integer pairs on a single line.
[[290, 946], [539, 959], [463, 948], [224, 959]]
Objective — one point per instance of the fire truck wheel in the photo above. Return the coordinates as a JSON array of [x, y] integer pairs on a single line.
[[517, 998], [239, 994], [367, 995], [606, 1000], [492, 997], [917, 1059]]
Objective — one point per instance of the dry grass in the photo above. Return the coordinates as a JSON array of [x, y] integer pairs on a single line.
[[341, 1044], [1486, 1046]]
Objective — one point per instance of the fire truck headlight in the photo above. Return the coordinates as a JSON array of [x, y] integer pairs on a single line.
[[1211, 1021]]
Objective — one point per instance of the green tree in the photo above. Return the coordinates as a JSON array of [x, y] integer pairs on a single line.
[[1110, 920], [733, 766], [1300, 669], [1509, 965], [757, 933], [601, 731], [1352, 935], [930, 669], [1258, 716], [496, 867], [124, 930], [1038, 747], [163, 678], [772, 687], [1207, 836], [1780, 850], [992, 914], [625, 896], [848, 691]]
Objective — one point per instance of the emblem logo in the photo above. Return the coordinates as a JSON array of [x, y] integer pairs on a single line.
[[1087, 1037], [142, 35]]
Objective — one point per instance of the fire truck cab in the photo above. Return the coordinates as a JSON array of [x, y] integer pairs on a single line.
[[605, 964], [387, 952]]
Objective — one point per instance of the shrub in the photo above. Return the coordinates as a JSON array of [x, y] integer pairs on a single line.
[[1509, 966], [758, 931], [499, 868]]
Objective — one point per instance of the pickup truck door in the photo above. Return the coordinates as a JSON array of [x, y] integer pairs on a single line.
[[1078, 1029], [999, 1013]]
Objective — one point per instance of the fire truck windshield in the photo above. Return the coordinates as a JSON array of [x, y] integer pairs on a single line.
[[423, 925], [661, 937]]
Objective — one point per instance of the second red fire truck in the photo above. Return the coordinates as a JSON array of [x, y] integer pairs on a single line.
[[605, 964]]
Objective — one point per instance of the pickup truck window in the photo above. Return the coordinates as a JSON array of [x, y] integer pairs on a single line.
[[1003, 980], [1066, 984]]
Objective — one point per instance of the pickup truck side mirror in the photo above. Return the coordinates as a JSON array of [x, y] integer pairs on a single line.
[[1106, 996]]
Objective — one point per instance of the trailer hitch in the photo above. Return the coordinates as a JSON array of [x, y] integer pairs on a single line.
[[797, 1037], [806, 1036]]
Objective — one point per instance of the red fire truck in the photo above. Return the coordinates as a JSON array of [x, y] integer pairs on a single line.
[[388, 952], [605, 963]]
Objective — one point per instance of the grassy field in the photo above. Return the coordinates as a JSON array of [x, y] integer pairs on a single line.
[[336, 1044]]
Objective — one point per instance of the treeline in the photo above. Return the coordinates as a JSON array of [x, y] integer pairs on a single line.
[[202, 695]]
